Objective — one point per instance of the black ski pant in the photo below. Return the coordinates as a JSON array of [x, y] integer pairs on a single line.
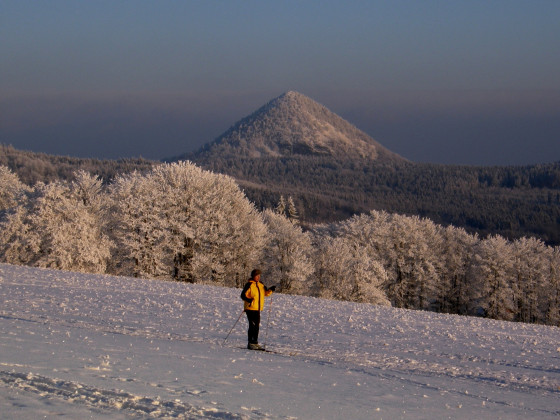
[[254, 318]]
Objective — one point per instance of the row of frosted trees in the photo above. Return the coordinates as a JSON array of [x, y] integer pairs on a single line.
[[179, 222], [445, 269]]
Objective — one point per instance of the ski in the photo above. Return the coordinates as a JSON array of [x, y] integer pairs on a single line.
[[267, 350], [260, 349], [264, 350]]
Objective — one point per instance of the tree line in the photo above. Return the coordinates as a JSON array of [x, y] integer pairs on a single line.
[[32, 167], [180, 222]]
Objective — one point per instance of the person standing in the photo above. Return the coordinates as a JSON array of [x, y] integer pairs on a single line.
[[253, 295]]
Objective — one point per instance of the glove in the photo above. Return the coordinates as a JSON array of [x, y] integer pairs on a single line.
[[273, 288]]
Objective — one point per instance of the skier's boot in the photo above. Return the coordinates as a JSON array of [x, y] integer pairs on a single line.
[[254, 346]]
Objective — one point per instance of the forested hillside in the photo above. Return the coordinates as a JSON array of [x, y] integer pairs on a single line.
[[33, 167], [512, 201]]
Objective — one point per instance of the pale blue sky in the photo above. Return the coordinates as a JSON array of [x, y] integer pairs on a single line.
[[475, 82]]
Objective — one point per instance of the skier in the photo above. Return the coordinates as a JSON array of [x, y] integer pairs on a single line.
[[253, 295]]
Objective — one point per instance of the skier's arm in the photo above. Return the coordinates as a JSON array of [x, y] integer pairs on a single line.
[[244, 293]]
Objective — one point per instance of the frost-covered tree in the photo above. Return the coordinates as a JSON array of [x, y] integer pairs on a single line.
[[287, 208], [12, 190], [281, 206], [409, 250], [551, 292], [346, 272], [417, 245], [530, 259], [134, 207], [332, 260], [492, 276], [291, 210], [457, 256], [179, 221], [55, 229], [19, 241], [287, 259], [88, 188]]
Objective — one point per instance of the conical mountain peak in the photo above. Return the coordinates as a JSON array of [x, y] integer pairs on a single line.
[[293, 124]]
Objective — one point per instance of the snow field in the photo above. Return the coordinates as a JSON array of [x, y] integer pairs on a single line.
[[94, 346]]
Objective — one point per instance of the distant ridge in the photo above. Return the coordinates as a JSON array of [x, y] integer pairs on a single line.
[[294, 125]]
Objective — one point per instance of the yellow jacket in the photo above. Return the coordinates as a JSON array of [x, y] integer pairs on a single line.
[[253, 295]]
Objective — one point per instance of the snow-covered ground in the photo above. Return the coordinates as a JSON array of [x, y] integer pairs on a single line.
[[89, 346]]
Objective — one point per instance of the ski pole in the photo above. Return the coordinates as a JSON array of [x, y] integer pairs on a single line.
[[233, 327], [267, 321]]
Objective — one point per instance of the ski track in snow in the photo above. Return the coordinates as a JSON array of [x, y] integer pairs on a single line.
[[80, 345]]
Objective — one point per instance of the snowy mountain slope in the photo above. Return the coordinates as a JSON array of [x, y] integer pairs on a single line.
[[295, 125], [80, 345]]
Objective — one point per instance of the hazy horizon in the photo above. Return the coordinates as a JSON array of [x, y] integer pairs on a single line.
[[441, 82]]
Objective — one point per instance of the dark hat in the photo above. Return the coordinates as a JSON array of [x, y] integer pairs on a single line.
[[255, 273]]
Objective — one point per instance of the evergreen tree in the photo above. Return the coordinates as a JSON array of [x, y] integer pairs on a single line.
[[281, 206], [291, 210]]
